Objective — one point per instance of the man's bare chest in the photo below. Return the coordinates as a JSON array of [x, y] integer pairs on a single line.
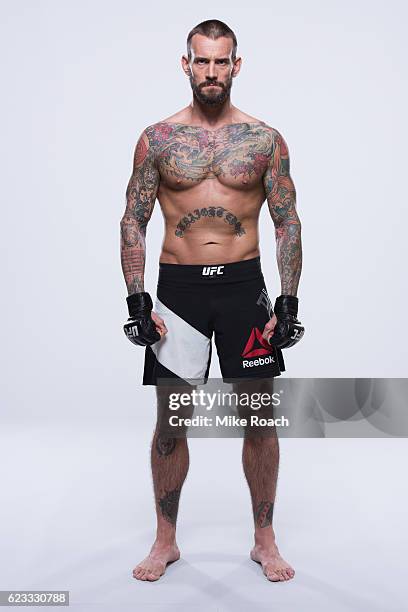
[[236, 155]]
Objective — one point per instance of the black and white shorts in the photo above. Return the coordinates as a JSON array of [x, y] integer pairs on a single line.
[[197, 301]]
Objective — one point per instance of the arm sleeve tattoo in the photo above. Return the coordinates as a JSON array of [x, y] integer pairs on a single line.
[[140, 197], [281, 196]]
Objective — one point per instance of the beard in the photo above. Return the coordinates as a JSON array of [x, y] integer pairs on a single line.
[[211, 98]]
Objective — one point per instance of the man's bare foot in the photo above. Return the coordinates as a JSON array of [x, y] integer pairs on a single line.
[[156, 561], [274, 567]]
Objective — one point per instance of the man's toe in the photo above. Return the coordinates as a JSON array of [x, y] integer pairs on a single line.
[[273, 575]]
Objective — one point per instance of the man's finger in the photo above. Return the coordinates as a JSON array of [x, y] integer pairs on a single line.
[[268, 329], [160, 324]]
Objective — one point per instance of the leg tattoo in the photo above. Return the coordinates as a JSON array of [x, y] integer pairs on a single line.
[[263, 514], [165, 446], [170, 462], [260, 462], [169, 505]]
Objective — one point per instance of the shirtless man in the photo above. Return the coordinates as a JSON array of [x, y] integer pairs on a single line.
[[211, 167]]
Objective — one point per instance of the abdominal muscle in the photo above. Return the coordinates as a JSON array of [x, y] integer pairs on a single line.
[[210, 224], [200, 246]]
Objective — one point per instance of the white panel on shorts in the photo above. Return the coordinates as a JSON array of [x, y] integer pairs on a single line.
[[183, 350]]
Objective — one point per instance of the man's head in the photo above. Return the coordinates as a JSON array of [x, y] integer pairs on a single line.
[[211, 61]]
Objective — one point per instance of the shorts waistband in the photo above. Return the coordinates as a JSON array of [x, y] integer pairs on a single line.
[[237, 271]]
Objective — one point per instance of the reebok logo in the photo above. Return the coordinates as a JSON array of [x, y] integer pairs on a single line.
[[211, 270], [256, 345], [257, 362]]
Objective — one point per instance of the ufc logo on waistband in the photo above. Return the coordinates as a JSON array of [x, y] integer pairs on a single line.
[[211, 270]]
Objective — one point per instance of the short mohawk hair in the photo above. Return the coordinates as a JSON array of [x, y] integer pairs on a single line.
[[213, 28]]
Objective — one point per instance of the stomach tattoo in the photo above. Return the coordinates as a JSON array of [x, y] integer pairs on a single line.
[[215, 212]]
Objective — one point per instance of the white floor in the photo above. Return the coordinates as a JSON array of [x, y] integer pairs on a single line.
[[77, 514]]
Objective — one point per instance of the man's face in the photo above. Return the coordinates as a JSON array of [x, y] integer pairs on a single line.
[[211, 68]]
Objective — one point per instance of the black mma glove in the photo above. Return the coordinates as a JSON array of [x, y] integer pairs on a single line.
[[288, 330], [140, 328]]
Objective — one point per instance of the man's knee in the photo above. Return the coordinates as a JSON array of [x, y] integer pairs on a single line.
[[166, 427]]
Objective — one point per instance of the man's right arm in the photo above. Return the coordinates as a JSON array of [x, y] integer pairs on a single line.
[[140, 198]]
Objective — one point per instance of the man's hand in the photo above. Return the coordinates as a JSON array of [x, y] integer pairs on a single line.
[[143, 327], [269, 328], [160, 324], [284, 329]]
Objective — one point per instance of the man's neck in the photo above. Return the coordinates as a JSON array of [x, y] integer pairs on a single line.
[[210, 116]]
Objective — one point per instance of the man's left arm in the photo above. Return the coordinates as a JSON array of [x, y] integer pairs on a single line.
[[284, 329], [281, 197]]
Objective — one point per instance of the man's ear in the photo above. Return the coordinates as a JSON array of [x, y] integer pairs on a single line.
[[236, 67], [185, 64]]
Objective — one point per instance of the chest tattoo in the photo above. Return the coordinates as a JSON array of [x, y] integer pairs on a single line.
[[191, 153]]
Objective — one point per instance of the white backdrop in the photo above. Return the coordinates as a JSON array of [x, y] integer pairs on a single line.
[[81, 80]]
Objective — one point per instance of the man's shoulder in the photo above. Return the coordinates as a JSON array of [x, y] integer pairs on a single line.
[[277, 134], [275, 138], [156, 134], [267, 127], [259, 124], [165, 126]]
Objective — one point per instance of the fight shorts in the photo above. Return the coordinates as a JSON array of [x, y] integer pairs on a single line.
[[197, 301]]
